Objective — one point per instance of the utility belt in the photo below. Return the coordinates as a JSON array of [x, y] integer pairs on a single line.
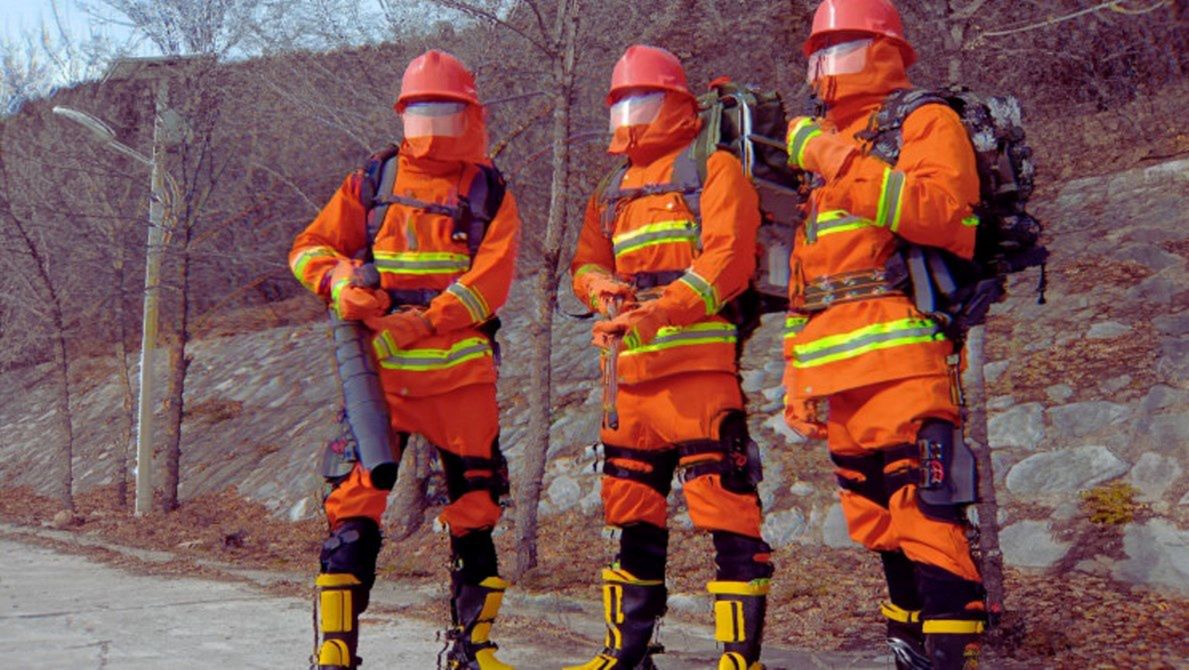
[[829, 290]]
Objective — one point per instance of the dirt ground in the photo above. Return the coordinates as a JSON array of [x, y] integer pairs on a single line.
[[823, 599]]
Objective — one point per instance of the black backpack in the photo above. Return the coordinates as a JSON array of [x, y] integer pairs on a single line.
[[957, 292], [750, 124]]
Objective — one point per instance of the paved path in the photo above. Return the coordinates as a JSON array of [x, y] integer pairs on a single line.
[[64, 611]]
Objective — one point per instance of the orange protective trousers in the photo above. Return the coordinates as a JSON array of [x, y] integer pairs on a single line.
[[657, 415], [884, 415], [464, 422]]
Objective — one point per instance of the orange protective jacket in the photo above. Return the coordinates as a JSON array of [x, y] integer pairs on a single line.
[[414, 250], [657, 233], [852, 226]]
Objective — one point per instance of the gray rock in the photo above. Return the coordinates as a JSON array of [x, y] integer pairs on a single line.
[[993, 371], [1000, 402], [1064, 471], [834, 533], [1115, 384], [783, 527], [1153, 474], [1162, 288], [1020, 426], [1001, 462], [1175, 325], [1169, 432], [690, 603], [777, 424], [564, 492], [801, 489], [1161, 397], [1059, 393], [773, 482], [1083, 418], [1030, 544], [753, 380], [1157, 554], [1173, 365], [1107, 330], [1148, 255]]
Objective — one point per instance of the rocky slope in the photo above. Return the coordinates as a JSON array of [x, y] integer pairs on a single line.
[[1087, 390]]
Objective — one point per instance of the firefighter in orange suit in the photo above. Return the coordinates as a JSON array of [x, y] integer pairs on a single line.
[[885, 369], [434, 350], [664, 274]]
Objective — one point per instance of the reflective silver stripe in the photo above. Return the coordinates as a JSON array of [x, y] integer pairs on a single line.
[[665, 232], [870, 338], [704, 289], [888, 212], [471, 300], [431, 359]]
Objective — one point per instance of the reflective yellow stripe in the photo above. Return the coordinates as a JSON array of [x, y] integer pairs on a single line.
[[954, 626], [472, 300], [671, 337], [335, 291], [591, 267], [756, 587], [970, 221], [897, 613], [662, 232], [704, 289], [421, 360], [303, 259], [890, 199], [798, 139], [421, 262], [793, 325], [869, 338], [823, 227]]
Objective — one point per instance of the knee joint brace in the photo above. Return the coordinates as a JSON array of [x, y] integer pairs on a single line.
[[733, 456]]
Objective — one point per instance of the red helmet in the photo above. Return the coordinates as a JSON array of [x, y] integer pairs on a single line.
[[436, 74], [876, 17], [642, 66]]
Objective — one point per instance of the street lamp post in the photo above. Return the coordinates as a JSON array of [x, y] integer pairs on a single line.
[[162, 127]]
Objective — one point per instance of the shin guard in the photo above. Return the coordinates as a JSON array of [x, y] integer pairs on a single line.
[[473, 608], [631, 608], [739, 610], [337, 616], [953, 617]]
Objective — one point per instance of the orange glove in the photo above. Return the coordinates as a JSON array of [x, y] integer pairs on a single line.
[[351, 299], [605, 290], [637, 327], [404, 327], [802, 416], [810, 148]]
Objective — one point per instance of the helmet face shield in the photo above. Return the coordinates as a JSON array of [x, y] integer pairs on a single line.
[[434, 118], [636, 109], [845, 58]]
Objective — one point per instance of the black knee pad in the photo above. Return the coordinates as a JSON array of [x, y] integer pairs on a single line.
[[352, 548], [474, 557], [740, 558], [643, 550], [945, 594], [900, 573], [948, 480]]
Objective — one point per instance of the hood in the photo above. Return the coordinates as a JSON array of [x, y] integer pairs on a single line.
[[434, 154], [675, 126], [851, 96]]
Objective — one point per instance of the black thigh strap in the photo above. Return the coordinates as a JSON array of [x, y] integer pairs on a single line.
[[660, 478]]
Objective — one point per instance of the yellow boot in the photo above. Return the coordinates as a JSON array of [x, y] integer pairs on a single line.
[[473, 608], [739, 609], [337, 615], [631, 608]]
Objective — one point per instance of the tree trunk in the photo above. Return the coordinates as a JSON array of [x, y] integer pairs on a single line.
[[62, 402], [126, 446], [540, 395], [409, 502], [178, 364], [975, 420]]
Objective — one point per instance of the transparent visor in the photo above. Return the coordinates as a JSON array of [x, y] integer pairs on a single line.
[[846, 58], [636, 110], [434, 119]]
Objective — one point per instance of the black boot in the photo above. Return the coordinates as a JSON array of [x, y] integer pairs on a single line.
[[739, 610], [348, 570], [473, 608], [903, 613], [631, 608], [953, 617]]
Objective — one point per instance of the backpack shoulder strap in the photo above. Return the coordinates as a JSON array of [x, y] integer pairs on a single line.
[[884, 130], [689, 173], [607, 194], [379, 176], [478, 208]]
